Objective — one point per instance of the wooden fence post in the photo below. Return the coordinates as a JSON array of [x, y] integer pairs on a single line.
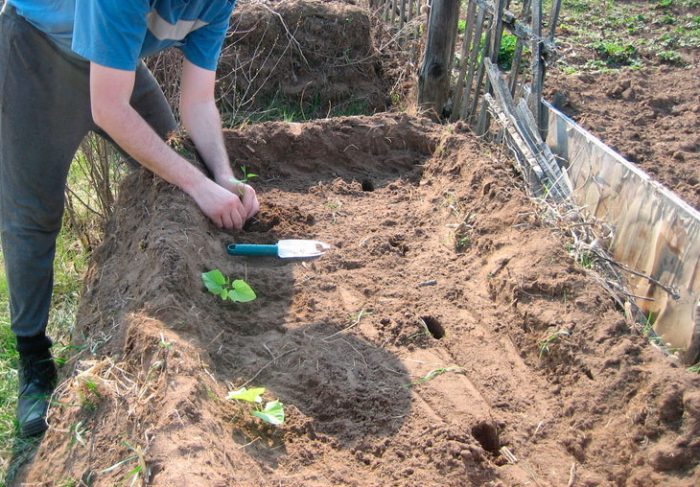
[[537, 64], [495, 43], [464, 61], [434, 76]]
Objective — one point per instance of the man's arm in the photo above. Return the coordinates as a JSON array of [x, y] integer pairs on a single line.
[[200, 117], [110, 92]]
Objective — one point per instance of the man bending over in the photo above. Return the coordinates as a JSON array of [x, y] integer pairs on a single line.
[[71, 66]]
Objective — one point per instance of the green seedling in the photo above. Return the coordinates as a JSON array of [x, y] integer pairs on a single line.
[[77, 432], [543, 345], [272, 412], [648, 330], [462, 239], [89, 395], [435, 373], [247, 176], [586, 260], [670, 57], [237, 290], [163, 343], [616, 54], [694, 368]]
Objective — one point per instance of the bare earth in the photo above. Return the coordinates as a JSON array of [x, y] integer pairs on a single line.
[[652, 117], [340, 340], [439, 264]]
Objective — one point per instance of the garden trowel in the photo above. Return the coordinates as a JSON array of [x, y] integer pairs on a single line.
[[284, 249]]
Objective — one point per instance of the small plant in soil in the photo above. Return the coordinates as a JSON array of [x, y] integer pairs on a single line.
[[545, 344], [77, 434], [462, 238], [616, 54], [237, 290], [670, 57], [648, 330], [247, 176], [435, 373], [163, 343], [271, 413], [89, 394], [694, 368]]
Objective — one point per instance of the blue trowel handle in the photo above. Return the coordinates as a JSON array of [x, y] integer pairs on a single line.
[[252, 249]]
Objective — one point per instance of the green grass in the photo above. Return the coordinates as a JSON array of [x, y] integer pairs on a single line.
[[507, 51], [278, 109], [626, 35]]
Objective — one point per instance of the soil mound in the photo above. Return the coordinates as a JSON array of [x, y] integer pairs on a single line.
[[311, 56], [444, 325]]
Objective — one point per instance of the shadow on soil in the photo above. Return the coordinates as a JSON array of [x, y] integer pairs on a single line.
[[23, 452]]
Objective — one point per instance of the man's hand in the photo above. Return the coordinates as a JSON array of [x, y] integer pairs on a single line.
[[224, 208], [245, 192], [110, 91], [201, 119]]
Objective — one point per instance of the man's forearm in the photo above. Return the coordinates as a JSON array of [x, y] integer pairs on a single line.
[[110, 91], [139, 140], [203, 124]]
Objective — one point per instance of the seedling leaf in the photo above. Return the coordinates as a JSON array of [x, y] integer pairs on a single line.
[[273, 413], [237, 291], [214, 281], [436, 372], [241, 292], [247, 395]]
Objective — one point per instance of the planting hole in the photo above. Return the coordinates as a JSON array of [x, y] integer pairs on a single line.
[[487, 435], [434, 326], [367, 185]]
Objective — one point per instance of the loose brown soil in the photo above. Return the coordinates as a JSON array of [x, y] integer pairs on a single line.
[[427, 227], [652, 117], [439, 264]]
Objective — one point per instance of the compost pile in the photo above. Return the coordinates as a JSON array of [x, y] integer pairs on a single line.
[[313, 56]]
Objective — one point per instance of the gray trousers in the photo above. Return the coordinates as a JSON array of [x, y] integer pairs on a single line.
[[44, 115]]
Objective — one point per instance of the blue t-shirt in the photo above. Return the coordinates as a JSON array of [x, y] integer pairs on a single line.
[[117, 33]]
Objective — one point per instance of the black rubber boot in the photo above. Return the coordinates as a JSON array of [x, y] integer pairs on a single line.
[[37, 379]]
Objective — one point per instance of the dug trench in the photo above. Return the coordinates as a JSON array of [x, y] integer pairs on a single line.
[[445, 324]]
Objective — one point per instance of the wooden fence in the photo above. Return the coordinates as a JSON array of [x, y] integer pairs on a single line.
[[460, 78], [656, 235], [398, 11], [484, 23]]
